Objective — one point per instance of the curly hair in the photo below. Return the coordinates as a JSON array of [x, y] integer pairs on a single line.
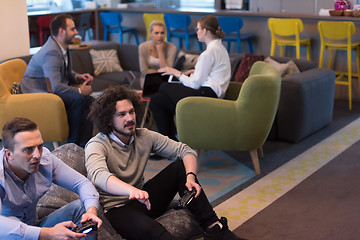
[[103, 109]]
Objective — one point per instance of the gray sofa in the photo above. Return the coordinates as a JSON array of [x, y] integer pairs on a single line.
[[306, 101], [179, 222], [128, 58]]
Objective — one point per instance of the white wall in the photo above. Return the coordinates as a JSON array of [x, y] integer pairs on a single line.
[[14, 29]]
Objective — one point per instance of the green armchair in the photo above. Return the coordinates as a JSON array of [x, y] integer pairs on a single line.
[[233, 124], [46, 109]]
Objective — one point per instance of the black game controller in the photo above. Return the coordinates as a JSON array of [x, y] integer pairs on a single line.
[[86, 227], [186, 199]]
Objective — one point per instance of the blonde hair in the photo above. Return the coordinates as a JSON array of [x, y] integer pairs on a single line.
[[156, 23]]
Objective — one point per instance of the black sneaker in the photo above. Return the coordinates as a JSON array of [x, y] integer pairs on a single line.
[[217, 233]]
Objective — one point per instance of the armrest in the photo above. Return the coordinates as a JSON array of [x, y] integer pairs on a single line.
[[46, 109]]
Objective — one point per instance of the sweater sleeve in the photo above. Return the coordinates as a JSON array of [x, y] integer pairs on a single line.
[[95, 163], [169, 148]]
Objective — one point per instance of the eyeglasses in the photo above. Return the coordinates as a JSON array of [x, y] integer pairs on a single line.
[[197, 29]]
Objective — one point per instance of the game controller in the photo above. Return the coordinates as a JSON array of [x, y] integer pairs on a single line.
[[186, 199], [86, 227]]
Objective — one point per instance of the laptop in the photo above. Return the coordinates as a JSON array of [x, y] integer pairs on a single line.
[[153, 81]]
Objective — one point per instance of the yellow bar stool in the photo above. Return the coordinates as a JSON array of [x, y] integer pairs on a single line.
[[337, 36], [286, 32], [148, 18]]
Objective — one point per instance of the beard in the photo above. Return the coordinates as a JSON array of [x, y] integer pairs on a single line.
[[123, 132], [69, 39]]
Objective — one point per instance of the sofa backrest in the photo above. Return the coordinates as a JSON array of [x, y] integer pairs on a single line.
[[127, 53]]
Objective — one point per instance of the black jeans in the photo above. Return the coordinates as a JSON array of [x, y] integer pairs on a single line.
[[163, 104], [77, 107], [134, 221]]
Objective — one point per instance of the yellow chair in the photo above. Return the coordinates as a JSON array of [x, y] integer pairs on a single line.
[[47, 110], [148, 18], [286, 32], [337, 36]]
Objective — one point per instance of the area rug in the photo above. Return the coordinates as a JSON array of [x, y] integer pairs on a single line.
[[244, 205], [218, 173]]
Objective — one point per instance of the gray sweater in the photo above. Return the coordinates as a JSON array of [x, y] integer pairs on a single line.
[[104, 157]]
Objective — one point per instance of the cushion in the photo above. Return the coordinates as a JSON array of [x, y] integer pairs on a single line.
[[105, 61], [15, 88], [242, 72], [281, 67], [186, 61]]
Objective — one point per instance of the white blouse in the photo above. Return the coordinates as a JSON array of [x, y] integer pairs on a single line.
[[212, 69]]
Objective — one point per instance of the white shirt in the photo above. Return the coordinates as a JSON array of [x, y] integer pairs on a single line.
[[211, 70]]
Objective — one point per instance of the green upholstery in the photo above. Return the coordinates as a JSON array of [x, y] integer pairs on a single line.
[[241, 125]]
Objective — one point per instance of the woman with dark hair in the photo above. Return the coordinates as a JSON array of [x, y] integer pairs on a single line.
[[210, 78]]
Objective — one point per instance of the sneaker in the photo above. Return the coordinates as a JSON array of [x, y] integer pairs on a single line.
[[217, 233]]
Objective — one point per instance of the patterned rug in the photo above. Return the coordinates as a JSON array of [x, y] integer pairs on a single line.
[[218, 173]]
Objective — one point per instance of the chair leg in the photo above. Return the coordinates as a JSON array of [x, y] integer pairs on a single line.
[[272, 50], [281, 51], [251, 49], [255, 160], [261, 152], [136, 38], [308, 52], [321, 58], [238, 45], [187, 45], [228, 46], [298, 51]]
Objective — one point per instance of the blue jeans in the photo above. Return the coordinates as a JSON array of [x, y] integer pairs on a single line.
[[70, 212]]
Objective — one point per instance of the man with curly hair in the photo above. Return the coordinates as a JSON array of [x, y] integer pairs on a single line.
[[116, 159]]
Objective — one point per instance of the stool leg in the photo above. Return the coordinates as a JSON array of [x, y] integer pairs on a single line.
[[321, 58], [358, 63], [349, 75]]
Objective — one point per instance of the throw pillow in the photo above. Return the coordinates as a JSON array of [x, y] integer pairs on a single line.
[[15, 88], [185, 61], [292, 69], [105, 61], [281, 67], [242, 72]]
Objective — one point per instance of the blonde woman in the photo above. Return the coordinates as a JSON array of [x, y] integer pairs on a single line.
[[210, 78], [156, 53]]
